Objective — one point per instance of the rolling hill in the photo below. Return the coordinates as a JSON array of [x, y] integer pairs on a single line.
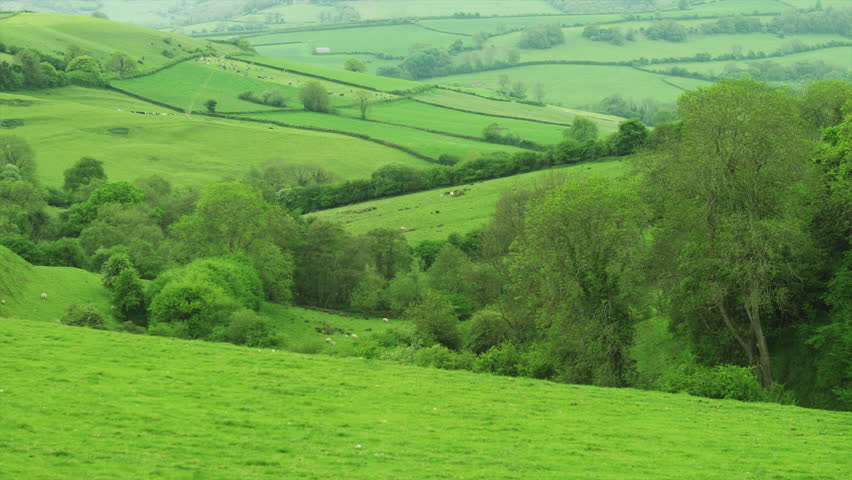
[[134, 406]]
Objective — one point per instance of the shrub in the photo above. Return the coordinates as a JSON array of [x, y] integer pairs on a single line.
[[503, 359], [315, 97], [487, 330], [439, 356], [199, 306], [725, 381], [404, 354], [435, 319], [113, 267], [246, 327], [84, 315]]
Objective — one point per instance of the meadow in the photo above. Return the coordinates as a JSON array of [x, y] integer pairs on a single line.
[[188, 85], [405, 9], [433, 215], [53, 33], [430, 144], [485, 106], [135, 406], [63, 125], [302, 52], [837, 56], [394, 40], [409, 112], [384, 84], [580, 85]]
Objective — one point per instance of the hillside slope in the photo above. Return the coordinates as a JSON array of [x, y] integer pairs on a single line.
[[149, 407]]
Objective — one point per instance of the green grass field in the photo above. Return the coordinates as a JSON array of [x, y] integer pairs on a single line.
[[189, 84], [392, 40], [430, 144], [838, 56], [576, 47], [579, 85], [53, 33], [133, 406], [431, 215], [409, 112], [384, 84], [405, 8], [549, 113], [302, 52], [66, 124]]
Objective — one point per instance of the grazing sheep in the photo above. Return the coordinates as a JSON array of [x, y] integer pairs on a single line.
[[385, 320], [44, 296], [2, 302], [354, 335], [328, 340]]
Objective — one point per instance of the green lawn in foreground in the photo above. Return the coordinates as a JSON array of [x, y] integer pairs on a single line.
[[432, 215], [431, 144], [79, 403], [417, 114], [68, 123], [579, 85], [189, 84]]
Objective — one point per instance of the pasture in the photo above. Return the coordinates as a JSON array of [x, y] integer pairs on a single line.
[[433, 215], [65, 124], [409, 112], [302, 52], [134, 406], [188, 85], [576, 47], [485, 106], [426, 143], [394, 40], [384, 84], [837, 57], [580, 85], [54, 33]]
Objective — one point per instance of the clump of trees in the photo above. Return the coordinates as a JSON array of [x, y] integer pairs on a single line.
[[272, 98], [541, 36], [314, 97]]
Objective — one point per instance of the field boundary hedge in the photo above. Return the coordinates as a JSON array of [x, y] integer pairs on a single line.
[[146, 99], [508, 117]]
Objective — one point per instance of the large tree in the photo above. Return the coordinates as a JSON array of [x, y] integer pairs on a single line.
[[732, 250]]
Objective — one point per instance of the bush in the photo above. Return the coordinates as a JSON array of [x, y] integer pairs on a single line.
[[487, 330], [435, 319], [504, 359], [724, 381], [85, 315], [439, 356], [315, 97], [245, 327], [198, 306]]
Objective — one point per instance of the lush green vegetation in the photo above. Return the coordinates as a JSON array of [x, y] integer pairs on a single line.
[[155, 386], [434, 215], [73, 122]]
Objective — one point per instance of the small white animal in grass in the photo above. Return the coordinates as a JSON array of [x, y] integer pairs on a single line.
[[44, 296]]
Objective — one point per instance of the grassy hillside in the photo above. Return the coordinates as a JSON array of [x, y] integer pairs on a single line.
[[303, 52], [21, 286], [578, 85], [146, 407], [65, 124], [838, 56], [53, 33], [430, 144], [432, 215]]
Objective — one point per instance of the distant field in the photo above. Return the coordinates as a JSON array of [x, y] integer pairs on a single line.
[[838, 56], [299, 327], [406, 8], [430, 144], [189, 84], [394, 40], [66, 124], [303, 52], [53, 33], [576, 47], [811, 3], [579, 85], [728, 7], [503, 24], [417, 211], [427, 116], [550, 113], [385, 84], [133, 406]]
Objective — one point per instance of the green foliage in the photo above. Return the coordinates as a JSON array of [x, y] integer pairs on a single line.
[[246, 327], [582, 130], [314, 97], [435, 319], [84, 172], [541, 36], [487, 329], [504, 359], [439, 356], [632, 135], [725, 381], [113, 267], [85, 315], [329, 265], [122, 64], [16, 151], [352, 64], [85, 71], [128, 297], [210, 105], [389, 252], [63, 252], [190, 308], [80, 215]]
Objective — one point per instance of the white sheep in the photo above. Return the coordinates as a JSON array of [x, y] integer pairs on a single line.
[[385, 320], [354, 335], [44, 296], [2, 302], [328, 340]]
